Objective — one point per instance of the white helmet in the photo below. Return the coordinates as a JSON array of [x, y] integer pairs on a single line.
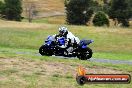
[[63, 30]]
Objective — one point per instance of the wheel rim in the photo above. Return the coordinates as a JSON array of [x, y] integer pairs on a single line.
[[42, 51], [65, 53], [87, 54]]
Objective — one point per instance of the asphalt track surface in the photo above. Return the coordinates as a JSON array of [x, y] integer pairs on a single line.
[[100, 60]]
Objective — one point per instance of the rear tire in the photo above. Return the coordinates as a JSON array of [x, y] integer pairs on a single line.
[[85, 54]]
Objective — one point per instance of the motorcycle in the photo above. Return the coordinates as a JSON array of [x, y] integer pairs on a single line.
[[58, 48]]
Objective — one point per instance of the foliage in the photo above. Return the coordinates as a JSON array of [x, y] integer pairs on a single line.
[[106, 6], [100, 19], [78, 11], [2, 6], [11, 9], [130, 6], [95, 6], [120, 10]]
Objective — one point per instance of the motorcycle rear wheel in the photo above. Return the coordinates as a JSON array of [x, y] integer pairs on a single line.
[[86, 54]]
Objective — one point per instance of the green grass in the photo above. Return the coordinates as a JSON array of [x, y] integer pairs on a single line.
[[24, 54], [114, 56], [57, 79], [21, 41], [37, 79], [49, 20], [109, 43]]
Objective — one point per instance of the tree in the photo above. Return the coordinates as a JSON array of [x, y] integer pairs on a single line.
[[130, 6], [106, 6], [12, 10], [100, 19], [31, 11], [2, 7], [78, 11], [106, 1], [95, 6], [120, 10]]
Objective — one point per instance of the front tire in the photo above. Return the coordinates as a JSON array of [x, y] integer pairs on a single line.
[[43, 51]]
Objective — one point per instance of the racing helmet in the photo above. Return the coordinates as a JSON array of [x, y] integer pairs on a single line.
[[63, 31]]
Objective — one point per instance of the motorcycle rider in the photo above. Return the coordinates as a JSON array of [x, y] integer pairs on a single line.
[[72, 41]]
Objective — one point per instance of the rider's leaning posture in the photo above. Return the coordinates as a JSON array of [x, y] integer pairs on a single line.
[[70, 38]]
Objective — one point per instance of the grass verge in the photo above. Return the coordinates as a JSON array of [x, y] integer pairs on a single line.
[[30, 71]]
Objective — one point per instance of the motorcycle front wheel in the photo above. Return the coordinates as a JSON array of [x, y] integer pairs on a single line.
[[44, 51]]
